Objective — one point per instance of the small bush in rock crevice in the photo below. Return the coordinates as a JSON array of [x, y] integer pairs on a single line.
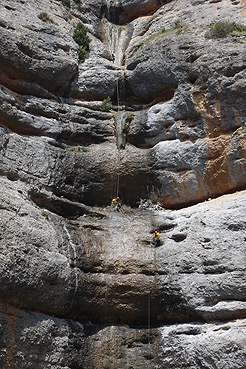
[[81, 38], [106, 104], [45, 18], [45, 214], [77, 148], [224, 29]]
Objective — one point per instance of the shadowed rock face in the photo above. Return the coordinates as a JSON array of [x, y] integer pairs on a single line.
[[128, 10], [81, 285]]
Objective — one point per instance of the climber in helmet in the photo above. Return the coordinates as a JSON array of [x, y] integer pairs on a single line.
[[118, 206], [157, 239], [116, 203]]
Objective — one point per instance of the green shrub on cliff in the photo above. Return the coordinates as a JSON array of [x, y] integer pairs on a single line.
[[106, 104], [179, 26], [81, 38], [45, 214], [45, 18], [224, 29]]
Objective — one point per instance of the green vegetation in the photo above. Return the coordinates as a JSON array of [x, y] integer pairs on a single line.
[[125, 129], [45, 18], [122, 123], [66, 3], [129, 118], [178, 23], [45, 214], [179, 26], [77, 148], [224, 29], [83, 52], [28, 27], [81, 38], [106, 104]]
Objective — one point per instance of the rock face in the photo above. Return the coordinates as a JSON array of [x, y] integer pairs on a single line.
[[82, 285]]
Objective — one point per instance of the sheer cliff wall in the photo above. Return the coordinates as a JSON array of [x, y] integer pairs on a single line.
[[81, 285]]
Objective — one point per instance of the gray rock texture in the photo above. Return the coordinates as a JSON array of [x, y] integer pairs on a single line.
[[47, 342], [82, 285]]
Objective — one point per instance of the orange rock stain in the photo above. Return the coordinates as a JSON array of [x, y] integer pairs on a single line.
[[243, 6], [12, 315]]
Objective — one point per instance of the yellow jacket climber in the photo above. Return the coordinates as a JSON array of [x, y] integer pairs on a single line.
[[117, 203], [157, 239]]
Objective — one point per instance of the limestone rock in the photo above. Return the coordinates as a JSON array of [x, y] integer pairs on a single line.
[[35, 51], [82, 285], [110, 258], [50, 342]]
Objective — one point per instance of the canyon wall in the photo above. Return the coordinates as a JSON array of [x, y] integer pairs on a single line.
[[82, 285]]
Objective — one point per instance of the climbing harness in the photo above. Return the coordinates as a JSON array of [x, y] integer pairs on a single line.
[[157, 239]]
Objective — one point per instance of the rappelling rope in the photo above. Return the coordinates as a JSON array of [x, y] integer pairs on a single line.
[[118, 109], [149, 295], [118, 149], [118, 95], [149, 302], [118, 180], [106, 256]]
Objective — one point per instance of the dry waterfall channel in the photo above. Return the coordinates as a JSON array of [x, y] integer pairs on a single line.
[[117, 39], [138, 99]]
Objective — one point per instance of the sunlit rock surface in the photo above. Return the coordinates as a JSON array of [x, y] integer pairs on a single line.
[[81, 285]]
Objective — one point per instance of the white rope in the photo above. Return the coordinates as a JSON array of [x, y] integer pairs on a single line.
[[117, 173], [118, 150], [149, 294], [118, 95]]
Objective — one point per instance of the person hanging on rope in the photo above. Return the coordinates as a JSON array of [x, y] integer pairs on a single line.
[[116, 203], [157, 239], [118, 206]]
